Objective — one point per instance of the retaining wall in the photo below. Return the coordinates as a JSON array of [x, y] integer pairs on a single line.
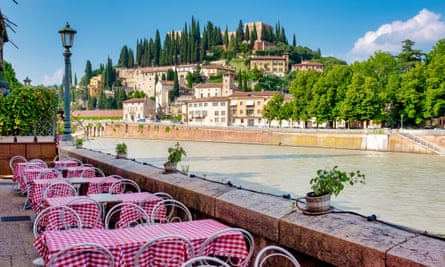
[[337, 239], [375, 140]]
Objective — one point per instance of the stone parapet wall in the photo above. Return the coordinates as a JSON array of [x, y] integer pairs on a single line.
[[337, 239], [345, 139]]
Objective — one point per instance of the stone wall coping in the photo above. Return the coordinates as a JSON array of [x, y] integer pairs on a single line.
[[341, 239]]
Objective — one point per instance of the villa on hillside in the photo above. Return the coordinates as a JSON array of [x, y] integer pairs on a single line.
[[307, 65], [277, 65]]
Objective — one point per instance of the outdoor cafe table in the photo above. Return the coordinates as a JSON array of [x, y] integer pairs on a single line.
[[38, 186], [69, 172], [124, 243], [93, 185], [145, 199], [88, 211], [62, 164]]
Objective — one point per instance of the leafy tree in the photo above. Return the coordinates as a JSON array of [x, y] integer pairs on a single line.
[[8, 75], [271, 111], [408, 57]]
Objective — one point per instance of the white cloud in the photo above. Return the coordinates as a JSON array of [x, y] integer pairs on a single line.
[[425, 28], [55, 79]]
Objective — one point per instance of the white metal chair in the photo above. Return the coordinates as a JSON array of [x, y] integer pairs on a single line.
[[170, 210], [12, 165], [213, 246], [263, 256], [50, 173], [83, 254], [205, 261], [163, 195], [124, 186], [89, 210], [151, 253], [97, 172], [124, 215], [39, 162], [79, 162], [59, 188], [56, 218], [27, 183]]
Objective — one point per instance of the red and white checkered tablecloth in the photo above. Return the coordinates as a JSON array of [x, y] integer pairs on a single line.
[[77, 171], [60, 164], [37, 187], [18, 169], [51, 242], [98, 185], [87, 210], [27, 177], [144, 199], [124, 243]]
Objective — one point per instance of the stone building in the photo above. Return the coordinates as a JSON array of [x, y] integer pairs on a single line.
[[138, 109], [277, 65], [307, 65]]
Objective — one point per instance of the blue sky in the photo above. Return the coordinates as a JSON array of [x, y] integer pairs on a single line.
[[349, 30]]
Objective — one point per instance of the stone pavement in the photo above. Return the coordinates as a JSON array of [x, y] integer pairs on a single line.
[[16, 237]]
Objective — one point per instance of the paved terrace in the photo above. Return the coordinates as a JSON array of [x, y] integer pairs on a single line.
[[16, 248]]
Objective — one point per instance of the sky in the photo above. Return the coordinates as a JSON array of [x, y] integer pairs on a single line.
[[351, 30]]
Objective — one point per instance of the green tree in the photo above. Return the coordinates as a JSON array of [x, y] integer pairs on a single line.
[[271, 111]]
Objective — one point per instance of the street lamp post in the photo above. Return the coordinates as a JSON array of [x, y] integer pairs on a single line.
[[401, 121], [67, 35]]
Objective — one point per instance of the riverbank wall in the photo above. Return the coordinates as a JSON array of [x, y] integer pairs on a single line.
[[373, 140], [333, 239]]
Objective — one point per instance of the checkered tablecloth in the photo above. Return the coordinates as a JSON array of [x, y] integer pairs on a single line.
[[51, 242], [77, 171], [61, 164], [37, 187], [27, 177], [124, 243], [87, 210], [98, 185], [144, 199], [18, 169]]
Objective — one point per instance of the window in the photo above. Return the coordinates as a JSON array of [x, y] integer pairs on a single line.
[[214, 104], [216, 119], [241, 103], [249, 112], [223, 119], [216, 112], [200, 104], [223, 112], [222, 104], [206, 104]]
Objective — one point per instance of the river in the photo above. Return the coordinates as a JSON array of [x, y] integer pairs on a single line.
[[401, 188]]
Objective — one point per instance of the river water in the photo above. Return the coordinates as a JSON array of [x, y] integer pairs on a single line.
[[401, 188]]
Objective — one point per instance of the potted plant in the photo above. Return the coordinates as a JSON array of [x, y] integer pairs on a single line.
[[327, 182], [121, 151], [78, 142], [175, 154]]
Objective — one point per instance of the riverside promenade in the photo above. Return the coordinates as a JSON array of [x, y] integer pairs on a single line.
[[16, 249]]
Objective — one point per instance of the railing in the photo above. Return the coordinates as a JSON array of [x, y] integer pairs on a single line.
[[424, 143]]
